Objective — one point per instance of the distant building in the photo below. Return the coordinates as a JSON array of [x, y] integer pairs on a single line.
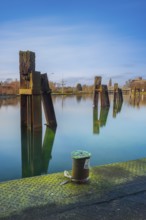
[[110, 83], [7, 81], [138, 83]]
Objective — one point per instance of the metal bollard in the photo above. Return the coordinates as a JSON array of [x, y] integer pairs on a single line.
[[80, 169]]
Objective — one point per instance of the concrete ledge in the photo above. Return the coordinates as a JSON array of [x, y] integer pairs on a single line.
[[44, 194]]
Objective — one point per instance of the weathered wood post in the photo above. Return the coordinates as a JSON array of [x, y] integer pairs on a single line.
[[47, 102], [104, 96], [97, 89], [33, 84], [100, 91], [30, 91], [118, 100], [118, 95]]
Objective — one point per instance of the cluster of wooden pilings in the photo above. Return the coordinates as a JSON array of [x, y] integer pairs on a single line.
[[34, 87], [101, 95], [100, 92]]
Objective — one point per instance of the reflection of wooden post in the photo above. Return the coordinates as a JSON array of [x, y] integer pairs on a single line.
[[96, 123], [104, 97], [47, 148], [103, 116], [117, 106], [47, 101], [97, 87], [136, 91], [30, 87], [31, 149]]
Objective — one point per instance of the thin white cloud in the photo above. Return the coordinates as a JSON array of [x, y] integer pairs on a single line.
[[71, 51]]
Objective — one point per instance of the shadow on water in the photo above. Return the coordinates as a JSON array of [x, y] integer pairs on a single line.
[[35, 155]]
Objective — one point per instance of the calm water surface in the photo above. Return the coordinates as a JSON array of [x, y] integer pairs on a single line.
[[113, 135]]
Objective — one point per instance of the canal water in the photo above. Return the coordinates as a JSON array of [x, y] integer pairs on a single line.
[[110, 135]]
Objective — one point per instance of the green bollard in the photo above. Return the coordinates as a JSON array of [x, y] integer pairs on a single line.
[[80, 169]]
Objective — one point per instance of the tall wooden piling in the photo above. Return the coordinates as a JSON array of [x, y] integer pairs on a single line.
[[100, 91], [118, 95], [104, 97], [30, 91], [97, 89], [118, 100], [33, 84]]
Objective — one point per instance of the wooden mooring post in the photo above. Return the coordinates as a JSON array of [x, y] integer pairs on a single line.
[[118, 100], [118, 95], [104, 97], [97, 89], [102, 92], [31, 88]]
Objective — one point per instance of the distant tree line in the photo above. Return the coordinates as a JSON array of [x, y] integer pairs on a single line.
[[12, 88], [9, 87]]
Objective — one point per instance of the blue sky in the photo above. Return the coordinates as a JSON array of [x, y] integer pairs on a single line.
[[75, 39]]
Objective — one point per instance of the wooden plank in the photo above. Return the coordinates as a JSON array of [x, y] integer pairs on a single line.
[[47, 102], [29, 92], [23, 110], [36, 112], [105, 97]]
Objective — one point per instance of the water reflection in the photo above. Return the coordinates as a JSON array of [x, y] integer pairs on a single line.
[[117, 107], [80, 127], [135, 101], [47, 148], [14, 101], [97, 123], [79, 98], [35, 155]]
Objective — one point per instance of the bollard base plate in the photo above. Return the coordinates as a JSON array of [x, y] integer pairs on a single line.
[[80, 181]]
